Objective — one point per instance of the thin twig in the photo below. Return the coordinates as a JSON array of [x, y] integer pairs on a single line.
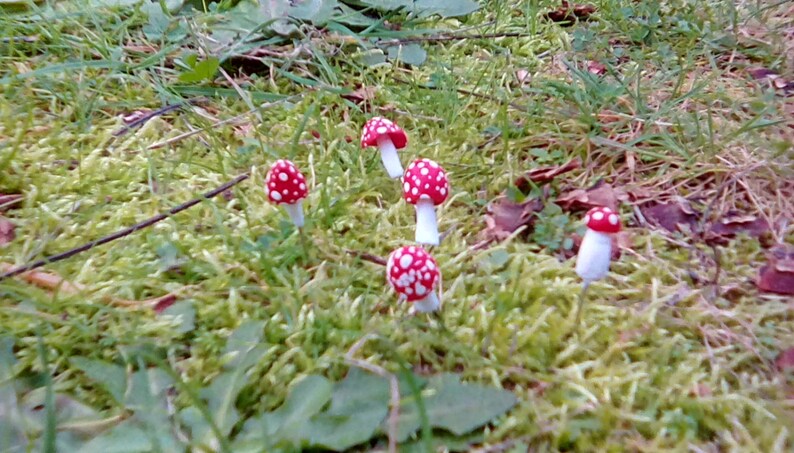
[[161, 111], [126, 231], [466, 92], [367, 257], [440, 38]]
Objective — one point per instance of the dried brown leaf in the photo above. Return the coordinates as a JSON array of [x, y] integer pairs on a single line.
[[567, 13], [8, 199], [45, 280], [732, 224], [777, 276], [505, 217], [785, 360], [594, 67], [543, 175], [6, 231], [522, 76], [674, 216], [363, 94], [601, 194]]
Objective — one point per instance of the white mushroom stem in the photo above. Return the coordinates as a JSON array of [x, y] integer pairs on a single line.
[[428, 304], [426, 224], [592, 261], [388, 154], [295, 211]]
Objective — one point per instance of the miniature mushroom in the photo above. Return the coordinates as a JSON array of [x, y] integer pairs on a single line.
[[413, 273], [286, 185], [426, 186], [595, 252], [388, 137]]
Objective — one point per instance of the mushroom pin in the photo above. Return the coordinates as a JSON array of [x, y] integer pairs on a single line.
[[426, 186], [413, 273], [595, 252], [286, 185], [388, 137]]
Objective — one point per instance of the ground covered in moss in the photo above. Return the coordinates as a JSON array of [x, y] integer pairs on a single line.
[[678, 113]]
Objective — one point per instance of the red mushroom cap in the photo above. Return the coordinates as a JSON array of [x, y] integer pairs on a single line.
[[425, 180], [285, 183], [377, 127], [603, 220], [412, 272]]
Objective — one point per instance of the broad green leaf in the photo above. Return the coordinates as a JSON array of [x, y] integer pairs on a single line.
[[412, 54], [387, 5], [113, 378], [200, 70], [445, 442], [69, 413], [184, 314], [359, 403], [124, 438], [245, 338], [287, 424], [318, 12], [456, 407], [446, 8]]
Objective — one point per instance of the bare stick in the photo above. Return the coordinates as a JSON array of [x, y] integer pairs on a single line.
[[126, 231]]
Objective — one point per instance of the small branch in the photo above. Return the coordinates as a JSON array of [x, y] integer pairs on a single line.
[[367, 257], [441, 38], [161, 111], [126, 231], [466, 92]]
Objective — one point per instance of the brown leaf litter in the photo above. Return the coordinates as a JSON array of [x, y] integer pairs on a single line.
[[600, 194], [543, 175], [504, 217], [777, 276], [6, 231], [568, 13]]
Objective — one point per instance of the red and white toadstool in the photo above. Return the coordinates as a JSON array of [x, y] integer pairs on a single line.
[[388, 137], [426, 186], [414, 274], [285, 185], [595, 252]]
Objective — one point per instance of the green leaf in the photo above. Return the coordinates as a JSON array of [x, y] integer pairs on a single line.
[[287, 424], [184, 314], [113, 378], [244, 339], [124, 438], [446, 8], [412, 54], [359, 404], [199, 70], [318, 12], [456, 407]]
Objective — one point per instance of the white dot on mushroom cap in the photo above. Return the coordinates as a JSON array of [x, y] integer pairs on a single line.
[[413, 164], [406, 261], [598, 215], [414, 191], [443, 191], [291, 169], [382, 129], [428, 276], [272, 184], [406, 186], [283, 176], [424, 171], [412, 249], [386, 121], [275, 195], [420, 290], [285, 191], [587, 218], [420, 164], [302, 186], [430, 265], [427, 186], [613, 219], [433, 164], [607, 210]]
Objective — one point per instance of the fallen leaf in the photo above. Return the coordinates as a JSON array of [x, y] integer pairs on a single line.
[[505, 217], [7, 200], [777, 276], [729, 226], [6, 231], [785, 360], [522, 76], [772, 78], [363, 94], [163, 303], [594, 67], [543, 175], [672, 216], [568, 13], [601, 194]]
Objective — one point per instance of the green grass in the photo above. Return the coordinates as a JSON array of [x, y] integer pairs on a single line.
[[660, 363]]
